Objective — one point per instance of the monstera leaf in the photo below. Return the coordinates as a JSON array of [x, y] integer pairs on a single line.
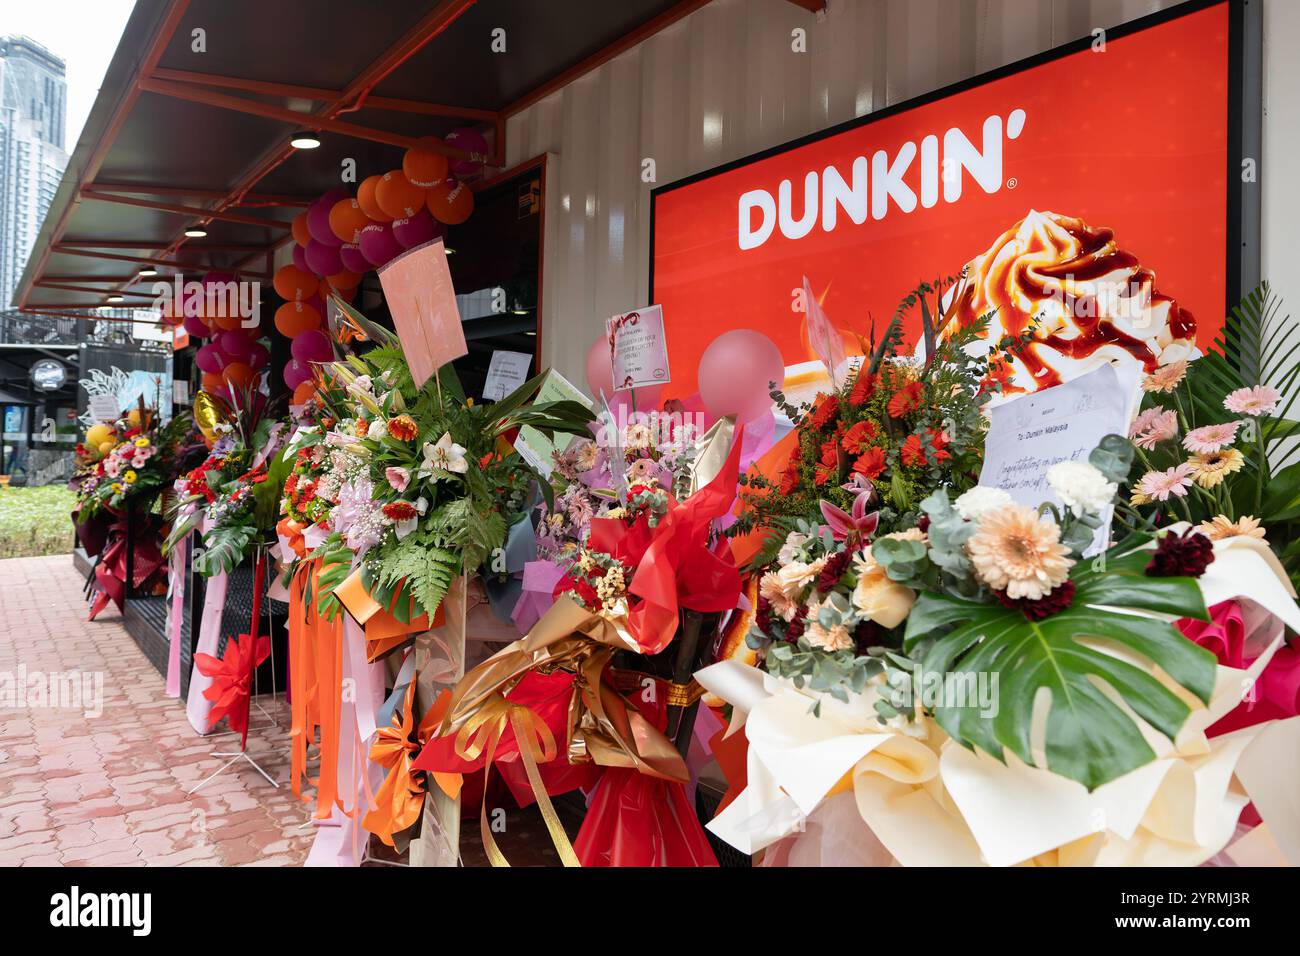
[[1089, 738]]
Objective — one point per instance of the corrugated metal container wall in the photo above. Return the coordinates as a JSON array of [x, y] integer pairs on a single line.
[[723, 83]]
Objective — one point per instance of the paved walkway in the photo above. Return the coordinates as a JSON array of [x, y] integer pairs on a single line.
[[109, 789]]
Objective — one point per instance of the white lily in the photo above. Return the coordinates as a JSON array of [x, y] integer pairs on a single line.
[[442, 459]]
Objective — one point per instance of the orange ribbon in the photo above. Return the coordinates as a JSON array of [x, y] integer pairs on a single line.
[[316, 682], [383, 629], [400, 800]]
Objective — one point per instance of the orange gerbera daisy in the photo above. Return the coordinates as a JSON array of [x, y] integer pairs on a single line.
[[870, 463], [907, 399], [913, 453], [858, 437]]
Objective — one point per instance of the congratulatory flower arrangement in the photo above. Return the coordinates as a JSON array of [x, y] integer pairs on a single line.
[[133, 469], [896, 429], [985, 586], [418, 483]]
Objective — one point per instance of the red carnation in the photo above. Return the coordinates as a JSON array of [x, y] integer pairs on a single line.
[[1184, 555], [1053, 602]]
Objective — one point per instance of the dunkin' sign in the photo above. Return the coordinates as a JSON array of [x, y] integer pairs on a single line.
[[1092, 186]]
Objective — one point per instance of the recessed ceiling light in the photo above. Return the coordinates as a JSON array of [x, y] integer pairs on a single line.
[[114, 298], [196, 232], [304, 139], [146, 272], [449, 251]]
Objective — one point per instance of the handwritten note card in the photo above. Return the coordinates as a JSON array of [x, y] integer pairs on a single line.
[[422, 300], [638, 348], [1030, 434], [506, 372]]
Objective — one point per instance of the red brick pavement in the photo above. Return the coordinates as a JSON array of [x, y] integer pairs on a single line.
[[110, 790]]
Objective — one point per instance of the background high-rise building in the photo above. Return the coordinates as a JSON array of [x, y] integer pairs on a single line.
[[33, 107]]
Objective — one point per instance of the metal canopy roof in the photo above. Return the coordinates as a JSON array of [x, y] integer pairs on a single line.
[[179, 136]]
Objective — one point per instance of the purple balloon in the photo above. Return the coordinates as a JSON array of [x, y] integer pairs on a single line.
[[472, 141], [324, 260], [235, 344], [318, 224], [312, 346], [197, 327], [258, 356], [210, 358], [300, 257], [421, 227], [353, 259], [378, 244], [295, 373]]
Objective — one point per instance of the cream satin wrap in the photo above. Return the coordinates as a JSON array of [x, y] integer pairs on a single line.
[[930, 802]]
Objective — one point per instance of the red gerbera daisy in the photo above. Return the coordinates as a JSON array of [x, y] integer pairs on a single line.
[[870, 463], [863, 388], [858, 437], [913, 454], [399, 511], [825, 411], [907, 399]]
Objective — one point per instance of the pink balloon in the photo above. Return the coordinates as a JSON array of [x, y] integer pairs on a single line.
[[318, 222], [323, 259], [353, 259], [736, 372], [295, 373], [421, 227], [197, 327], [210, 358], [258, 356], [300, 257], [378, 244], [236, 345], [312, 346], [472, 141]]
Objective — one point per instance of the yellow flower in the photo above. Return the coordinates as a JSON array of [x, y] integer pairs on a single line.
[[1166, 378], [1219, 527], [142, 442], [1209, 469], [1016, 551], [117, 487], [130, 476], [1138, 498]]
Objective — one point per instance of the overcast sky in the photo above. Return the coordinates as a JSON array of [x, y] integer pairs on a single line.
[[83, 32]]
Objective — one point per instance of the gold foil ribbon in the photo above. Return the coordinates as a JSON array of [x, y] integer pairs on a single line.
[[712, 449]]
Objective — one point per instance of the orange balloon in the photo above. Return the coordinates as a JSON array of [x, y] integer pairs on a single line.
[[293, 284], [347, 219], [303, 392], [450, 202], [227, 323], [294, 317], [237, 375], [366, 200], [425, 167], [344, 280], [397, 196], [211, 381], [301, 234]]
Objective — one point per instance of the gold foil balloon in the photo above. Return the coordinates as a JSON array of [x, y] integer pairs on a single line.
[[209, 412]]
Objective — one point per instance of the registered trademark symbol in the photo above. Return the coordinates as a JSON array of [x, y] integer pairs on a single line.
[[1012, 183]]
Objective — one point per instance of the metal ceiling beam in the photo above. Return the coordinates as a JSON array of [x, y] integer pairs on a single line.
[[154, 260], [294, 118], [81, 288], [197, 213], [153, 244], [185, 192]]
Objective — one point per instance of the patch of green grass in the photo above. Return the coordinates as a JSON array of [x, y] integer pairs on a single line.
[[35, 521]]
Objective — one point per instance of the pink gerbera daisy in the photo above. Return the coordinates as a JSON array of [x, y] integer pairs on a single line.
[[1259, 400], [1159, 485], [1211, 438], [1153, 426]]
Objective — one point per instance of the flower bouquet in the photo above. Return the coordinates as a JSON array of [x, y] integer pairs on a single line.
[[1025, 682]]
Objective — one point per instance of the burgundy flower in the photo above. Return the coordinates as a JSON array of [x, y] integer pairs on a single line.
[[866, 635], [832, 571], [1185, 555], [1053, 602], [794, 630]]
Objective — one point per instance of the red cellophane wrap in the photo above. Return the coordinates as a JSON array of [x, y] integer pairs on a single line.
[[547, 696], [110, 572], [1276, 693], [675, 567], [634, 819]]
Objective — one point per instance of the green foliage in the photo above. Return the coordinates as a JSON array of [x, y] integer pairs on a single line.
[[224, 547], [1088, 737], [424, 570]]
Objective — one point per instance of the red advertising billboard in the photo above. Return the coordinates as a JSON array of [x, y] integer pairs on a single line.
[[1092, 188]]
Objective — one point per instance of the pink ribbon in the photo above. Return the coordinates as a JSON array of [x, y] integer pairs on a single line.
[[176, 591], [198, 707]]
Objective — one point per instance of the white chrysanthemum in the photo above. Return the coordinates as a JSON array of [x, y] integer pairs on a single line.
[[1081, 486], [977, 502]]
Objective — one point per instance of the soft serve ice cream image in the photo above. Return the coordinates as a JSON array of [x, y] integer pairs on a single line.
[[1087, 300]]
